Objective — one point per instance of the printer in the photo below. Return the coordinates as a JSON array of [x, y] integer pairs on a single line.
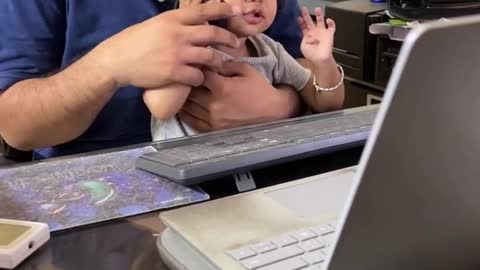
[[354, 47]]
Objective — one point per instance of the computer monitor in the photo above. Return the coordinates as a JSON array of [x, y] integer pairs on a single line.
[[432, 9]]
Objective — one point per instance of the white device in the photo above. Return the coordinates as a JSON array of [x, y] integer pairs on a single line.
[[19, 239], [412, 202]]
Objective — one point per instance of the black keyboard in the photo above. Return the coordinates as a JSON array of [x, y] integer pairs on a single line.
[[203, 157]]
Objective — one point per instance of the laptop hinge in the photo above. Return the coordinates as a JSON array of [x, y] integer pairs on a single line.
[[244, 181]]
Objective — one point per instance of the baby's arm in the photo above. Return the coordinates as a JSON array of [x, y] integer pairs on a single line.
[[325, 74], [317, 45], [165, 102]]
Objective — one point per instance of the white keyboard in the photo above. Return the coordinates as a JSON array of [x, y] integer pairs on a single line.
[[305, 249]]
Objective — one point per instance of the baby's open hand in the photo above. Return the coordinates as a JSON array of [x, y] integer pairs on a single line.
[[317, 43]]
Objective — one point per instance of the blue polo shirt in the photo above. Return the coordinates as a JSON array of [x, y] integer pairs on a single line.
[[38, 37]]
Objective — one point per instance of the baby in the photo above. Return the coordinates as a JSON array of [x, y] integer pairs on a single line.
[[320, 84]]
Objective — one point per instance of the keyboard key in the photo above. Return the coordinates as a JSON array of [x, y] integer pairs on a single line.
[[321, 137], [272, 257], [336, 134], [314, 257], [327, 239], [171, 160], [311, 245], [351, 131], [290, 264], [328, 249], [242, 253], [364, 128], [320, 266], [194, 157], [215, 143], [306, 140], [237, 139], [217, 154], [323, 230], [284, 241], [263, 247], [304, 235]]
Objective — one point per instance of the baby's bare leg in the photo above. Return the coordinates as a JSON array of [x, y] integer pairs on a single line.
[[165, 102]]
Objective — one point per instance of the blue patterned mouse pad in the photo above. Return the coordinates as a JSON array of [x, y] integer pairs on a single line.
[[80, 191]]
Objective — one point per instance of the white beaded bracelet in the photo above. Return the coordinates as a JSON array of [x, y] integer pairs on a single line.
[[318, 88]]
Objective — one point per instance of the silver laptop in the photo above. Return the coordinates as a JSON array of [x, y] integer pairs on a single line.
[[412, 203]]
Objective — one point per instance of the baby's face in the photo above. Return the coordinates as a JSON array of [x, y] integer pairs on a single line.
[[257, 16]]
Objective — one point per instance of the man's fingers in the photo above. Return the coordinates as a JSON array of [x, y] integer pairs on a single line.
[[194, 122], [196, 110], [230, 69], [205, 35], [200, 96], [319, 17], [202, 56], [306, 17], [187, 75], [213, 81], [200, 14]]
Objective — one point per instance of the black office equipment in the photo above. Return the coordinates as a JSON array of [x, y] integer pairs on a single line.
[[354, 46], [11, 153], [432, 9], [203, 157], [386, 56]]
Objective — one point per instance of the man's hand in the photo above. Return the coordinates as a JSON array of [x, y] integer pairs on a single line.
[[168, 48], [239, 96]]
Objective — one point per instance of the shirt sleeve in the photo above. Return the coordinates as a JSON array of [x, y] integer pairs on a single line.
[[285, 28], [32, 39], [286, 70]]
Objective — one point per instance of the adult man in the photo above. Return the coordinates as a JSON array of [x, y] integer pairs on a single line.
[[108, 51]]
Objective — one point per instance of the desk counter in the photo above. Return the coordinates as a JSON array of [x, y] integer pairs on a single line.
[[129, 243]]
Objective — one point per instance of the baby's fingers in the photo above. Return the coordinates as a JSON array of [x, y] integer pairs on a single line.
[[307, 19], [303, 25], [331, 25], [319, 17]]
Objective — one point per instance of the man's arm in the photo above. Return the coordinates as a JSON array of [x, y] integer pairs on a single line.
[[43, 112], [53, 110]]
